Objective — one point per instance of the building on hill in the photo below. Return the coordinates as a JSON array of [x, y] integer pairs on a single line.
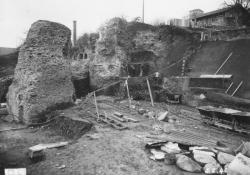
[[235, 16], [174, 22], [194, 13]]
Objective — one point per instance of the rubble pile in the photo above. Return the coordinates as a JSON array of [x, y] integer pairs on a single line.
[[42, 79], [199, 159]]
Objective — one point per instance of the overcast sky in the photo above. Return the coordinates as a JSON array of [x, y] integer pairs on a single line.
[[16, 16]]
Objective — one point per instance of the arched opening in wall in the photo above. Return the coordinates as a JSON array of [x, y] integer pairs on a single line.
[[85, 56], [82, 87], [141, 64], [80, 56]]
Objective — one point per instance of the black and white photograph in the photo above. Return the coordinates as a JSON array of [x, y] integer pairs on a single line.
[[124, 87]]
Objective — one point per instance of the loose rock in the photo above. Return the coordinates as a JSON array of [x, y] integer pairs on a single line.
[[142, 111], [151, 114], [187, 164], [225, 158], [170, 159], [157, 155], [208, 153], [171, 148], [212, 168], [239, 166], [204, 159]]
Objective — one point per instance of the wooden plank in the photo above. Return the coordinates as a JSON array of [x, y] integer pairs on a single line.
[[118, 118], [118, 114], [15, 171], [48, 146], [110, 121], [38, 150], [130, 119]]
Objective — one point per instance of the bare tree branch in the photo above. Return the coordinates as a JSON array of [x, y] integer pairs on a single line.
[[244, 3]]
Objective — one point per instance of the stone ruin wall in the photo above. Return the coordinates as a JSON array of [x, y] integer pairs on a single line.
[[42, 78]]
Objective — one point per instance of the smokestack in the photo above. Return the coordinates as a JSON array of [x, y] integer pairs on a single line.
[[143, 11], [74, 33]]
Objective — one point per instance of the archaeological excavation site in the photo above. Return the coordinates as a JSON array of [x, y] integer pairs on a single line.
[[132, 98]]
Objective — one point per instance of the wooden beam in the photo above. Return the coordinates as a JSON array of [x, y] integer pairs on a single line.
[[223, 63], [237, 88], [229, 87], [150, 93]]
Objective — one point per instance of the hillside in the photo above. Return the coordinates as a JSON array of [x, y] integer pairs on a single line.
[[8, 63], [6, 50], [7, 66], [212, 54]]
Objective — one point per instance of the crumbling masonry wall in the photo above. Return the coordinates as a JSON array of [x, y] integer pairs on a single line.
[[42, 79]]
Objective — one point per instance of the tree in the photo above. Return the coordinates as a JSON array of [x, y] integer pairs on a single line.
[[237, 6], [244, 3]]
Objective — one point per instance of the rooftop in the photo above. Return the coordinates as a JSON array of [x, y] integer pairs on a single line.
[[217, 11]]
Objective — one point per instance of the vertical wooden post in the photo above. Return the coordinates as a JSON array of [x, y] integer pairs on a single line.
[[96, 107], [129, 99], [150, 93]]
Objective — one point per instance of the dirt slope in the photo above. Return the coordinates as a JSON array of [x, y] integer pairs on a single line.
[[212, 54]]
